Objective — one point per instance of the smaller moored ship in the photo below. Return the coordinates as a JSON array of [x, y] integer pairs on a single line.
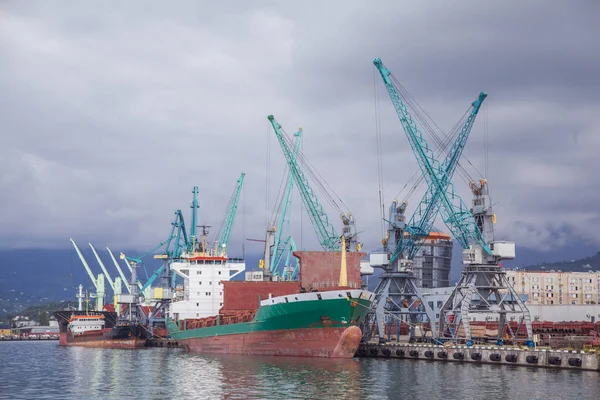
[[91, 331]]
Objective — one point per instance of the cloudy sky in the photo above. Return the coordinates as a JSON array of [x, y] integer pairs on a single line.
[[110, 113]]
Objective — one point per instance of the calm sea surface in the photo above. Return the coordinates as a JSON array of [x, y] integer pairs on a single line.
[[43, 370]]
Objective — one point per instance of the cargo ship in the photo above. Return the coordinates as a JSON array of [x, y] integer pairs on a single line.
[[317, 316], [98, 329]]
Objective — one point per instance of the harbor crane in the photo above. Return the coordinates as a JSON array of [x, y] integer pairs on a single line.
[[225, 231], [274, 247], [397, 293], [326, 232], [121, 274], [98, 281], [483, 286], [115, 285]]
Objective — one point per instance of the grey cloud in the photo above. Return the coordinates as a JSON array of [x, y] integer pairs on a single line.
[[112, 112]]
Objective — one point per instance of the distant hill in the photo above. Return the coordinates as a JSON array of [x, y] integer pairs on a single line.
[[586, 264]]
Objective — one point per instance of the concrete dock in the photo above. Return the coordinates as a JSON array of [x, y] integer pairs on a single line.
[[545, 358]]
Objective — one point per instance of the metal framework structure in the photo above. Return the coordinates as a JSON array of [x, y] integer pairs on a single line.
[[483, 287], [397, 293], [483, 280]]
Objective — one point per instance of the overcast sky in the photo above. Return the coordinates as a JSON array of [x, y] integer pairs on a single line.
[[111, 112]]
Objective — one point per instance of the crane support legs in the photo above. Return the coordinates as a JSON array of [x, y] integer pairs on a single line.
[[397, 300], [483, 289]]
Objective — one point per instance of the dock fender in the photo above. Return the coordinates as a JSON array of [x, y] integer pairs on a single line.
[[554, 360], [495, 357], [531, 359], [575, 362]]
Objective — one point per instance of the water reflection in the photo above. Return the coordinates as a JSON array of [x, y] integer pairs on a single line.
[[43, 370], [260, 377]]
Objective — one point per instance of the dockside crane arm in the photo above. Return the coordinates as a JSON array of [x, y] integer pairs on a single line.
[[223, 239], [87, 267], [285, 208], [326, 233], [427, 209], [118, 267], [116, 284], [291, 245], [194, 228], [455, 213]]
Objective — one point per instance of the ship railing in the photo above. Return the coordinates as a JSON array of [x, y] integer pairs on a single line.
[[333, 284]]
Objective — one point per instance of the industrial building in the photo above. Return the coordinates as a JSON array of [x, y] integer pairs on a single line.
[[556, 287], [431, 266]]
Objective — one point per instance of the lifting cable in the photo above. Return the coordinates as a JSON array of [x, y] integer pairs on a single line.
[[443, 143], [379, 151]]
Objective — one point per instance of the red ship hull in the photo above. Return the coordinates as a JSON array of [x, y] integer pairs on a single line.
[[100, 341], [317, 342]]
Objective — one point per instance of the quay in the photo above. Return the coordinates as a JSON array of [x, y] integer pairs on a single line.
[[540, 357]]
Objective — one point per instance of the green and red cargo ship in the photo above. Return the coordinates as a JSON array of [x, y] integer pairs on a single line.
[[312, 317]]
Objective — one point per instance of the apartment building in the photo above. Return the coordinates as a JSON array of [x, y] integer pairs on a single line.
[[556, 287]]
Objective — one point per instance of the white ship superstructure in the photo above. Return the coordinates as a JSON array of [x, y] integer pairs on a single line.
[[202, 293], [80, 324]]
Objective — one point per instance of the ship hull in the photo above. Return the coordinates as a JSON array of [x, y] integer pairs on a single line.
[[101, 341], [299, 327], [316, 342]]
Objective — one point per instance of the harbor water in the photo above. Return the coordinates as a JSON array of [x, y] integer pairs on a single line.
[[44, 370]]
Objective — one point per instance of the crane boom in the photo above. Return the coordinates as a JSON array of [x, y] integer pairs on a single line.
[[193, 229], [455, 213], [85, 264], [116, 284], [423, 218], [326, 233], [223, 240], [123, 278], [98, 282], [277, 252]]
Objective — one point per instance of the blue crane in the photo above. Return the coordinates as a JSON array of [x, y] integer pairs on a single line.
[[290, 273], [455, 213], [284, 215], [193, 229], [223, 238], [424, 216], [326, 232], [173, 247], [483, 278]]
